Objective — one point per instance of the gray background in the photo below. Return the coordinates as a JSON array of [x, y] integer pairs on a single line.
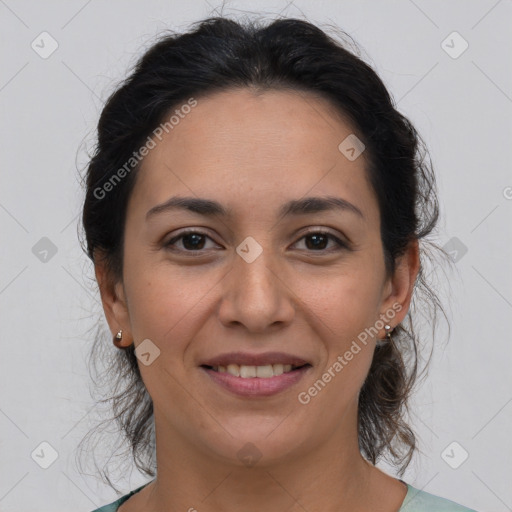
[[49, 107]]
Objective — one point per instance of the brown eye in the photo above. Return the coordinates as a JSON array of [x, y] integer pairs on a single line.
[[191, 241], [319, 240]]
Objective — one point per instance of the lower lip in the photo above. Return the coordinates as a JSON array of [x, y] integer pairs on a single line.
[[256, 386]]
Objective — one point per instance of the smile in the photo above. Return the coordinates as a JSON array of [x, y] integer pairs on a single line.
[[256, 381], [250, 372]]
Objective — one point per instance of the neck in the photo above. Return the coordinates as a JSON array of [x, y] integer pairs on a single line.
[[333, 476]]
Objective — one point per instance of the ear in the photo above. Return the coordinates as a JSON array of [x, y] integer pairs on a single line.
[[114, 302], [398, 289]]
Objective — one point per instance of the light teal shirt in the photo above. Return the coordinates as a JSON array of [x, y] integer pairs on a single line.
[[414, 501]]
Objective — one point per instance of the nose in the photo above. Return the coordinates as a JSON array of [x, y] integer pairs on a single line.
[[257, 295]]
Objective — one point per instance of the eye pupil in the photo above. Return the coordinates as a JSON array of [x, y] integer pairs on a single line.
[[316, 238], [194, 236]]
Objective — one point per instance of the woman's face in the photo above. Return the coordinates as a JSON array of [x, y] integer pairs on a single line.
[[254, 281]]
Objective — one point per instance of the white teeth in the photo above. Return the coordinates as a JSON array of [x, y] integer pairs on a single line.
[[234, 369], [249, 372], [264, 371], [278, 369]]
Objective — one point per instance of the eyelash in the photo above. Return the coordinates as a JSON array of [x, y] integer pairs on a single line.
[[340, 244]]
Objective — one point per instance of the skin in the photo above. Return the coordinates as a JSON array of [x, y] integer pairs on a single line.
[[252, 152]]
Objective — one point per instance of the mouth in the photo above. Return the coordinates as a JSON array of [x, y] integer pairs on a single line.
[[251, 371], [255, 375]]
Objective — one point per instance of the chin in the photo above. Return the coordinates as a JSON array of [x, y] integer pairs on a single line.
[[263, 445]]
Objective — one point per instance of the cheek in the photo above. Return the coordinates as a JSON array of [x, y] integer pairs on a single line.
[[346, 303], [167, 303], [345, 309], [166, 308]]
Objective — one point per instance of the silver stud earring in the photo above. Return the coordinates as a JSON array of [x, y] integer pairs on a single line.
[[387, 339]]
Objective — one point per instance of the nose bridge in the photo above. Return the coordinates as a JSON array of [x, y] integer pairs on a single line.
[[254, 295], [256, 275]]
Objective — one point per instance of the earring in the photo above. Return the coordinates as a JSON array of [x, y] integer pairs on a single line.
[[387, 339], [118, 338]]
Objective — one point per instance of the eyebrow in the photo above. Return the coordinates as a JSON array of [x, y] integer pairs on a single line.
[[212, 208]]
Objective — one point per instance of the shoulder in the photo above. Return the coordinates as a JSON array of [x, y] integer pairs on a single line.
[[421, 501], [112, 507], [415, 501]]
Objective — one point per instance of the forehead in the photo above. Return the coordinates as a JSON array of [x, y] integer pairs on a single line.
[[242, 145]]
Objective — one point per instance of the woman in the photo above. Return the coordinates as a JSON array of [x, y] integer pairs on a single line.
[[254, 212]]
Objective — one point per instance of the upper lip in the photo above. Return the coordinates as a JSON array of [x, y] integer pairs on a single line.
[[247, 359]]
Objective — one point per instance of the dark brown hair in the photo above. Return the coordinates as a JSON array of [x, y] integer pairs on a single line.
[[219, 54]]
